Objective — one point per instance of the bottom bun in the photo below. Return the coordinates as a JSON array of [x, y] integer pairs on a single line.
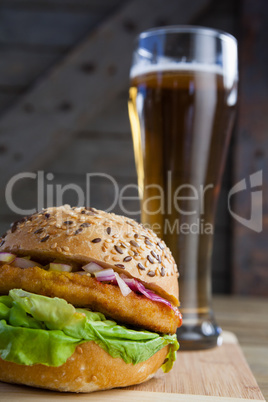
[[89, 369]]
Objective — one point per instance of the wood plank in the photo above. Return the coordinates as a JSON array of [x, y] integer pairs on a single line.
[[22, 68], [31, 27], [250, 252], [223, 372], [217, 374], [247, 318], [90, 77], [6, 99], [257, 358], [118, 396], [97, 5]]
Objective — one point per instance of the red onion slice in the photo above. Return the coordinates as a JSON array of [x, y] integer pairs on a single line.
[[92, 267], [137, 286], [24, 263], [53, 266], [125, 290], [7, 257], [105, 275], [127, 285]]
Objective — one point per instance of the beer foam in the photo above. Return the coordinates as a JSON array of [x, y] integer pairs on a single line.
[[141, 69]]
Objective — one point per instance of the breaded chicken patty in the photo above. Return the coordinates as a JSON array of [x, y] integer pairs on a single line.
[[85, 291]]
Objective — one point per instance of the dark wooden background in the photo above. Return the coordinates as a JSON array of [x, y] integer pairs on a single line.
[[63, 109]]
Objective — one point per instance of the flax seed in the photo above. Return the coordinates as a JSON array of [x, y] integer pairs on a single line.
[[141, 266], [134, 243]]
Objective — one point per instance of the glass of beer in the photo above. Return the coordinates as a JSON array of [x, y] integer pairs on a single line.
[[183, 93]]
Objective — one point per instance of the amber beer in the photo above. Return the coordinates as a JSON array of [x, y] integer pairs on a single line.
[[181, 119]]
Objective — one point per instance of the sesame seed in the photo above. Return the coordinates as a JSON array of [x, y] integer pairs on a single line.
[[58, 249], [134, 243], [92, 210], [79, 230], [47, 216], [83, 212], [136, 235], [44, 239], [108, 240], [120, 266], [150, 259], [137, 257], [97, 240], [151, 273], [159, 258], [54, 245], [130, 252], [107, 257], [123, 245], [108, 230], [116, 259], [104, 248], [142, 267], [39, 231], [127, 258], [65, 248], [118, 249], [2, 242], [115, 236], [68, 222], [163, 271]]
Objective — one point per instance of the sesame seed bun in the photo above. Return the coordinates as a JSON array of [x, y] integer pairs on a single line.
[[81, 235], [89, 369]]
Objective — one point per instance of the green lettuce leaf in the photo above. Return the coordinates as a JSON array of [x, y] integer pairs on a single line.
[[38, 329]]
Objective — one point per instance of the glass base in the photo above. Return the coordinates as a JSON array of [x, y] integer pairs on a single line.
[[204, 335]]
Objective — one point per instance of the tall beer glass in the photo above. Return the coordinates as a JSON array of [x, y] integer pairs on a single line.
[[183, 94]]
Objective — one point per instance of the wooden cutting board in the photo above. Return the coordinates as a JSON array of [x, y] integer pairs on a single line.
[[215, 375]]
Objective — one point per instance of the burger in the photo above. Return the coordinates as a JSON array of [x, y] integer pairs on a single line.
[[88, 301]]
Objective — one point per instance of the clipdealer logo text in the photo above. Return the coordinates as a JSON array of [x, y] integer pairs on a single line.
[[255, 221], [47, 191]]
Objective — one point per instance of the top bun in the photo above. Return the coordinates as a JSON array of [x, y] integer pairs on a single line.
[[83, 234]]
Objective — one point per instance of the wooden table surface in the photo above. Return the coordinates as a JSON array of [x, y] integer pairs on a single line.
[[246, 317]]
